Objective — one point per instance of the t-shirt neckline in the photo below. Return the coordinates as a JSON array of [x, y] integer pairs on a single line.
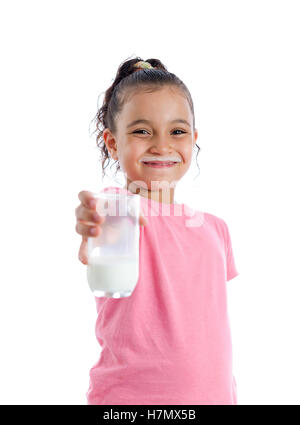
[[157, 208]]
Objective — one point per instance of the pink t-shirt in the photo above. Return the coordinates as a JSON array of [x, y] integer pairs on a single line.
[[170, 341]]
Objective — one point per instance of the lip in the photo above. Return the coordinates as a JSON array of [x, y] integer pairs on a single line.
[[160, 164]]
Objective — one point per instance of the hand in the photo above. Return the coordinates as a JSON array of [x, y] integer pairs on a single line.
[[89, 222]]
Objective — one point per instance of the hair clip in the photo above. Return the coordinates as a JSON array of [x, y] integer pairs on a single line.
[[143, 65]]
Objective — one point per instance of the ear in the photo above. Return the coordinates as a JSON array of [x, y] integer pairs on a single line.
[[110, 143], [195, 137]]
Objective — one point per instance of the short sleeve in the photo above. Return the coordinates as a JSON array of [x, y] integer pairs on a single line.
[[230, 263]]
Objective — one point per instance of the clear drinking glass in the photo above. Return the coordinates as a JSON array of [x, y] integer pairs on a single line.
[[113, 256]]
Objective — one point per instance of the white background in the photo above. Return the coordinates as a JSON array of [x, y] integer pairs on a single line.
[[240, 61]]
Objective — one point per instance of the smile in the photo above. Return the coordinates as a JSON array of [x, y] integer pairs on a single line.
[[160, 164]]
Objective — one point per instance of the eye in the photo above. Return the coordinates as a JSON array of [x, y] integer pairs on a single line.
[[182, 132], [138, 131]]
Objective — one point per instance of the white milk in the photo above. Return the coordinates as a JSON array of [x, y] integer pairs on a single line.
[[112, 274]]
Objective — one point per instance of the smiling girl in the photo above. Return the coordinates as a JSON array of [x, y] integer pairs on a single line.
[[170, 341]]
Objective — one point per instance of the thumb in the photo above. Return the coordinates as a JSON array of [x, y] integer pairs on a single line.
[[82, 255], [143, 221]]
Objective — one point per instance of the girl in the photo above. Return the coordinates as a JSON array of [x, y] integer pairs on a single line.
[[170, 341]]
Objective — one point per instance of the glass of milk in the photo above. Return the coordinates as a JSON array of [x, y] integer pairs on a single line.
[[113, 256]]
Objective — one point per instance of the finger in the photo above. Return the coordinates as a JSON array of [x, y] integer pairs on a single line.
[[87, 199], [87, 230], [87, 215]]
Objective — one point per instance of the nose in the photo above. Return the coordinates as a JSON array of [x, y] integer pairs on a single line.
[[161, 145]]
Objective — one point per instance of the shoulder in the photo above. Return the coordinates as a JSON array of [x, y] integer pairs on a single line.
[[214, 220], [217, 225]]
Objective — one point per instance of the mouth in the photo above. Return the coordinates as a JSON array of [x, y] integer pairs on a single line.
[[160, 164]]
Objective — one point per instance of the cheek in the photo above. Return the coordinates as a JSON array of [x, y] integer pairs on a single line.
[[130, 158], [187, 152], [132, 148], [132, 153]]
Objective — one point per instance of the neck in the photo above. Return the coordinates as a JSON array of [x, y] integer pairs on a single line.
[[161, 195]]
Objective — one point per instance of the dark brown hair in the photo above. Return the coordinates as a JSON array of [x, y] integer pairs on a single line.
[[127, 80]]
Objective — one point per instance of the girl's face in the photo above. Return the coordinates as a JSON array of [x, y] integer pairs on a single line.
[[162, 137]]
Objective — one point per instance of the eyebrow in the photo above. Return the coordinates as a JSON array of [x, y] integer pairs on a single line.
[[143, 121]]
